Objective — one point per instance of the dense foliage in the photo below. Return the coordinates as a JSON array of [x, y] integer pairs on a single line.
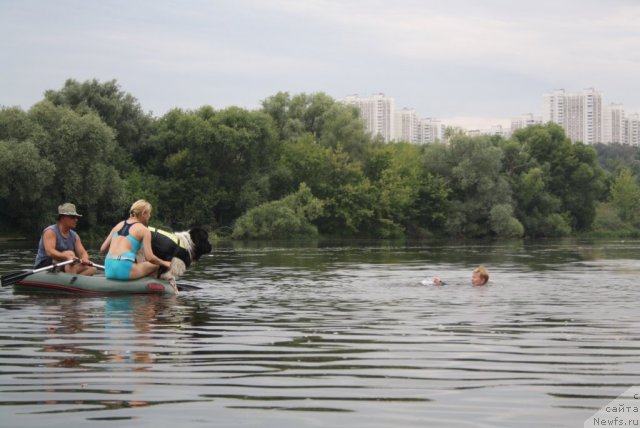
[[300, 166]]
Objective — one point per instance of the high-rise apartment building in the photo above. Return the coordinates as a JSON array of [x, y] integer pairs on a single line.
[[380, 118], [378, 113], [430, 130], [553, 107], [406, 126], [632, 130], [613, 123], [592, 116], [579, 114], [523, 121]]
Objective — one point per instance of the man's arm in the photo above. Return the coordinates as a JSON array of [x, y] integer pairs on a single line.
[[81, 252], [49, 242]]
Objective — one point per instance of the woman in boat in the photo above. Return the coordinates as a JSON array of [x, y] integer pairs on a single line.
[[124, 241]]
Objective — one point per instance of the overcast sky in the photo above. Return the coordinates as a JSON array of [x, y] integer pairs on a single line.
[[471, 63]]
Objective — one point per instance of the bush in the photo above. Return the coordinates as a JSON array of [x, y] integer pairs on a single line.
[[289, 217], [503, 223]]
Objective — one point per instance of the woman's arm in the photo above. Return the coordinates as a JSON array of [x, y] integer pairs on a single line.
[[107, 242], [104, 248], [148, 252]]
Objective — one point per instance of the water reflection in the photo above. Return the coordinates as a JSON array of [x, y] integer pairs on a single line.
[[130, 320], [342, 334]]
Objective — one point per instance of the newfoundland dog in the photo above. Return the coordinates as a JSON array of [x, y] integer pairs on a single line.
[[181, 248]]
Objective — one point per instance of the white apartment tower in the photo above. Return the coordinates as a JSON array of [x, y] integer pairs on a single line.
[[430, 130], [579, 114], [613, 124], [592, 116], [377, 111], [523, 121], [406, 126], [632, 130], [553, 107]]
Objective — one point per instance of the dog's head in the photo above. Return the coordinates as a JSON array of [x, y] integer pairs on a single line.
[[201, 244]]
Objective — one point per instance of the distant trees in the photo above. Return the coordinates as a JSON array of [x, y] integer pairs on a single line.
[[117, 109], [24, 178], [472, 167], [52, 154], [287, 218], [625, 196], [556, 183], [300, 166], [211, 166]]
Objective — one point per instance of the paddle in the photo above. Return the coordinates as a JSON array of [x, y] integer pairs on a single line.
[[181, 287], [187, 287], [13, 277]]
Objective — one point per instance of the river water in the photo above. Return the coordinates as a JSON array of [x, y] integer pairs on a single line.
[[334, 334]]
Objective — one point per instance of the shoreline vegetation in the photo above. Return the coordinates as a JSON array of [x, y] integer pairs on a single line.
[[300, 167]]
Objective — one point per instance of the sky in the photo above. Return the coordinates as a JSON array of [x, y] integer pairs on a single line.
[[469, 63]]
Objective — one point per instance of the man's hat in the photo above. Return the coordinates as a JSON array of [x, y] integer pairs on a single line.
[[68, 209]]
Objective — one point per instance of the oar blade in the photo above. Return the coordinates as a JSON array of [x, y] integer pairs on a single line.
[[13, 277], [187, 287]]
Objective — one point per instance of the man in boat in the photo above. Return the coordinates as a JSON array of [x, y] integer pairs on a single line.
[[59, 242]]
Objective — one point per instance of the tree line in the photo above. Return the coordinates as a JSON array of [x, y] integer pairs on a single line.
[[300, 166]]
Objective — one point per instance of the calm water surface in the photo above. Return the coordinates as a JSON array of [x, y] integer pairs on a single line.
[[334, 335]]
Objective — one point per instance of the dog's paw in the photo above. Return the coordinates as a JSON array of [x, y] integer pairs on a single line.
[[167, 276]]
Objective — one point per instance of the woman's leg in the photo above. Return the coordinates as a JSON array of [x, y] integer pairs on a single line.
[[140, 270]]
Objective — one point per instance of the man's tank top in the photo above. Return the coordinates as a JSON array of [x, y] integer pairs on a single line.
[[63, 243]]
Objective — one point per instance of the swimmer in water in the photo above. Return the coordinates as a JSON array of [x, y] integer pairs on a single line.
[[479, 277]]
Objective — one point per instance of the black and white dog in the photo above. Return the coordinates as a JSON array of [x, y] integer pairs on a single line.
[[181, 248]]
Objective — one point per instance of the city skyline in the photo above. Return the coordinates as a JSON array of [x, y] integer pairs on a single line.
[[585, 116], [468, 64]]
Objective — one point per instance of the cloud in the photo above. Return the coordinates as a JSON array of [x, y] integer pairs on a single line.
[[186, 55], [476, 122], [445, 59], [549, 39]]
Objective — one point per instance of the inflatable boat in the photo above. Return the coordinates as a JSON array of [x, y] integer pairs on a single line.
[[65, 283]]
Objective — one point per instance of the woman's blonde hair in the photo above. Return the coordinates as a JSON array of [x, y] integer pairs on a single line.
[[139, 207]]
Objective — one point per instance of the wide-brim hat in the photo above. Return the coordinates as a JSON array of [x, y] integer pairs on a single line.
[[68, 209]]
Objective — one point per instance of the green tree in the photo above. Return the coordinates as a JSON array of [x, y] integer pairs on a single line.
[[118, 109], [51, 155], [569, 182], [326, 146], [540, 211], [472, 169], [79, 147], [409, 199], [304, 161], [225, 157], [503, 223], [625, 196], [614, 157], [24, 179], [347, 195], [290, 217], [14, 124], [327, 122]]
